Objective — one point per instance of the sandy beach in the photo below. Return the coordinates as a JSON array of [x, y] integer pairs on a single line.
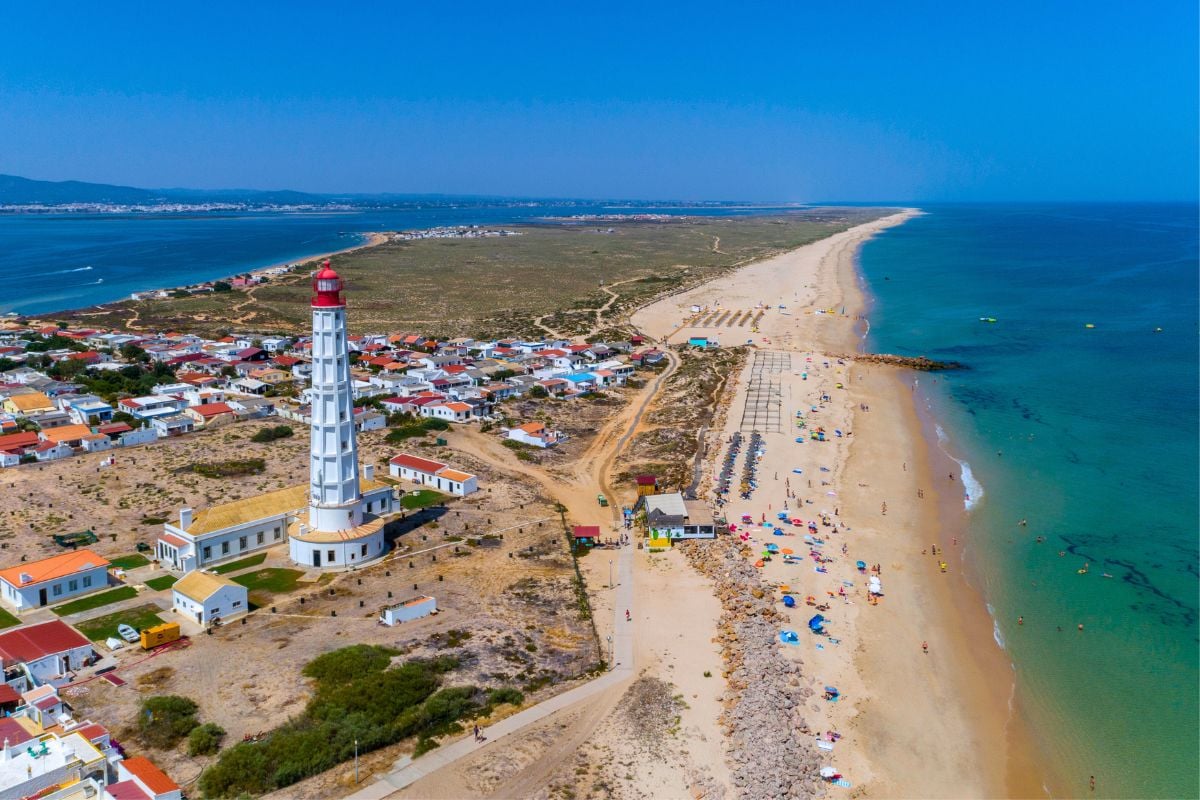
[[909, 721]]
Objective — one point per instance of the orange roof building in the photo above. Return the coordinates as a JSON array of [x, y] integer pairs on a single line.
[[53, 580]]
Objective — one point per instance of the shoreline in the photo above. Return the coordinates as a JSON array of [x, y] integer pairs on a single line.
[[964, 736], [371, 239], [961, 602]]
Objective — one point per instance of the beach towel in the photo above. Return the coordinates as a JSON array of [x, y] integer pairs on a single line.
[[842, 782], [823, 745]]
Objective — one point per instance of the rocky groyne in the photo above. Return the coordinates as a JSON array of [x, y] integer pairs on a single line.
[[920, 363], [770, 755]]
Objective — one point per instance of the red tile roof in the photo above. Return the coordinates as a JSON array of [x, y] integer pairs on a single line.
[[31, 642], [154, 778], [126, 790], [417, 463], [207, 410], [12, 732], [174, 540], [15, 440]]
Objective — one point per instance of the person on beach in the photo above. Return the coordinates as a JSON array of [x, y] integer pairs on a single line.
[[1020, 620], [477, 733], [925, 647], [1081, 627], [1092, 782]]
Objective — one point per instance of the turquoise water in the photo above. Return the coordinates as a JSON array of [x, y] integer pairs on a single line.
[[63, 261], [1088, 434]]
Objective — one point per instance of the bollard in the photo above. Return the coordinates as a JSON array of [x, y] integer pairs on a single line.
[[414, 587], [272, 609], [387, 574], [439, 578], [360, 581], [389, 595], [361, 603], [410, 565], [301, 601], [333, 613], [243, 620]]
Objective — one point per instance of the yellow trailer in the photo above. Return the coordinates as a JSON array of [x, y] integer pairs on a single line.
[[160, 635]]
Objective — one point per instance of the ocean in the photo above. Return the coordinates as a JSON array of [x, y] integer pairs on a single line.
[[1090, 435], [64, 261]]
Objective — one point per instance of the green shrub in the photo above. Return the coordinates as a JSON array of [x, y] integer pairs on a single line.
[[271, 434], [230, 468], [166, 719], [358, 698], [205, 739]]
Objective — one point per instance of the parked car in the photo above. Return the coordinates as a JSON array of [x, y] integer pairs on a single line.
[[127, 632]]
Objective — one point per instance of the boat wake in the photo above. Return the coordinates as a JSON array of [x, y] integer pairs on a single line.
[[66, 271]]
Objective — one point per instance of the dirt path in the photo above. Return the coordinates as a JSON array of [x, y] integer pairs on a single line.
[[575, 488]]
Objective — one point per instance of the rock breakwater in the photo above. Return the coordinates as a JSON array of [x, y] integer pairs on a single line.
[[770, 754]]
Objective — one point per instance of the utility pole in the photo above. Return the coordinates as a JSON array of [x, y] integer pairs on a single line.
[[355, 760]]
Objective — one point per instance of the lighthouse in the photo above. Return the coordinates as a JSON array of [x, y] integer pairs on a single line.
[[343, 526], [334, 497]]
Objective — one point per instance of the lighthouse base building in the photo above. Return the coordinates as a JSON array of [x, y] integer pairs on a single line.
[[337, 520]]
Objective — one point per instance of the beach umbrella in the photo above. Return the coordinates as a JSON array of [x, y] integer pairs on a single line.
[[787, 551], [816, 623]]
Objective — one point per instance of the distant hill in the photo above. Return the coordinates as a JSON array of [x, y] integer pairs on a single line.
[[15, 190]]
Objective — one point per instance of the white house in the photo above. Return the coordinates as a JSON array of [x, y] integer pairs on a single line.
[[52, 580], [451, 412], [206, 598], [535, 434], [43, 653], [433, 474]]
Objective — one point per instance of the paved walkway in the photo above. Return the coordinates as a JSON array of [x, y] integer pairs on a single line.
[[408, 771]]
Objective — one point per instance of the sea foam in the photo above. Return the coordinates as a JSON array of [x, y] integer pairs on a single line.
[[972, 488], [996, 634]]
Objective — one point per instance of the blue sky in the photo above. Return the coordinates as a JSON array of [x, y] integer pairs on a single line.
[[788, 101]]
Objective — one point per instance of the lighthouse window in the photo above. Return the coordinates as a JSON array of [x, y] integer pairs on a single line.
[[331, 556], [345, 445], [364, 549]]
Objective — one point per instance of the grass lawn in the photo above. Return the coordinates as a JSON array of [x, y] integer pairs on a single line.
[[139, 618], [7, 620], [245, 563], [130, 562], [165, 582], [95, 600], [422, 498], [272, 579]]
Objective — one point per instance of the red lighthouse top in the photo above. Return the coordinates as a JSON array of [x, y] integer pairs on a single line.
[[327, 288]]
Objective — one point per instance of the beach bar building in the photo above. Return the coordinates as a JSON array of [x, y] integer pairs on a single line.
[[669, 516]]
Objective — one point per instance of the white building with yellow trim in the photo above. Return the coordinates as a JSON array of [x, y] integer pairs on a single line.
[[206, 598], [231, 530]]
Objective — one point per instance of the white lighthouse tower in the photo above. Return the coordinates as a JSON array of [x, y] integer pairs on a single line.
[[333, 452], [344, 526]]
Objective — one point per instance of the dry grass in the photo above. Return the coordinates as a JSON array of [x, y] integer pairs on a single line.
[[497, 286]]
